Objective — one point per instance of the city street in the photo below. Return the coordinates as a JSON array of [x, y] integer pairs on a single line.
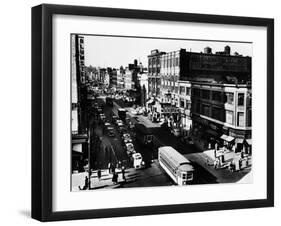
[[111, 149]]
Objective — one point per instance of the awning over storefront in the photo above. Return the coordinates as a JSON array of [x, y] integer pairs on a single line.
[[249, 141], [227, 138], [151, 101], [239, 140]]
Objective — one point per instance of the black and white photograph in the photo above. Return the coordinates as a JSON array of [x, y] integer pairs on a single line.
[[149, 111]]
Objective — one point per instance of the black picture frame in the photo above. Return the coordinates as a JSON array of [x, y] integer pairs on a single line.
[[42, 111]]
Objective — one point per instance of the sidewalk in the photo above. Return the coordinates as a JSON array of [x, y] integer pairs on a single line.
[[104, 182], [223, 175]]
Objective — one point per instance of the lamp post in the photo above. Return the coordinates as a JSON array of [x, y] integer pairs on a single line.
[[89, 158]]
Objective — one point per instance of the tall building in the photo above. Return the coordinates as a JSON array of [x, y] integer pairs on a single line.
[[213, 90], [154, 79], [173, 68], [79, 97], [121, 78], [222, 111]]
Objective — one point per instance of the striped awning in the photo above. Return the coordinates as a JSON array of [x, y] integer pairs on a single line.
[[227, 138], [249, 141], [239, 140]]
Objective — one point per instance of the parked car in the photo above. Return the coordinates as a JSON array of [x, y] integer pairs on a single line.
[[110, 131], [127, 138], [122, 129], [107, 124], [138, 161], [102, 116], [119, 123], [130, 149], [176, 132]]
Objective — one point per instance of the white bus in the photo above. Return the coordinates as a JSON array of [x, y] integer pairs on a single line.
[[176, 165]]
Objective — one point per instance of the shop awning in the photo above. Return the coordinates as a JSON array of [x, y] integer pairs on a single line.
[[151, 101], [227, 138], [239, 140], [249, 141]]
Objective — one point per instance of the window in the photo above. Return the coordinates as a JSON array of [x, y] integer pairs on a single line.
[[240, 119], [216, 113], [188, 105], [229, 98], [177, 61], [206, 94], [198, 110], [182, 90], [196, 92], [249, 121], [216, 95], [158, 70], [157, 61], [188, 91], [229, 117], [249, 99], [205, 109], [182, 103], [240, 99]]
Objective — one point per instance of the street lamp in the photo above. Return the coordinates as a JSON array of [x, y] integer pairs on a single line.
[[89, 158]]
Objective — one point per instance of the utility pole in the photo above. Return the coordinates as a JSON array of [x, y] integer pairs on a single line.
[[89, 151]]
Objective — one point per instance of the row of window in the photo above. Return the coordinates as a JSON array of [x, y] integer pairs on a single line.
[[154, 70], [165, 62], [224, 115], [185, 104], [185, 90], [226, 97]]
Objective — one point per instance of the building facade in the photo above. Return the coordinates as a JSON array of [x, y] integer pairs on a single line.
[[184, 105], [154, 78], [79, 100], [222, 111], [208, 92]]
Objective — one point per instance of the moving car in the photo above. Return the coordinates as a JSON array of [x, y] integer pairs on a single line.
[[137, 161], [110, 131], [127, 138], [102, 116], [130, 149], [119, 122]]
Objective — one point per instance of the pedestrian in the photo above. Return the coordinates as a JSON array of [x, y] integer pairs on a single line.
[[207, 161], [119, 165], [216, 164], [216, 146], [112, 168], [123, 173], [109, 168], [240, 164], [99, 174], [116, 177], [86, 185]]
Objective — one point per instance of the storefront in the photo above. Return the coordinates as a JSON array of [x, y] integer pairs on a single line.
[[248, 146], [228, 141], [208, 132]]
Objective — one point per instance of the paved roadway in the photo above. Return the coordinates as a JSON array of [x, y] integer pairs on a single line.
[[113, 151]]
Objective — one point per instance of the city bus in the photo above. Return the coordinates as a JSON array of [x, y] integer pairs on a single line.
[[175, 165]]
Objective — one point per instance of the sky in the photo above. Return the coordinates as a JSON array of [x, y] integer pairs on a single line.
[[106, 51]]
